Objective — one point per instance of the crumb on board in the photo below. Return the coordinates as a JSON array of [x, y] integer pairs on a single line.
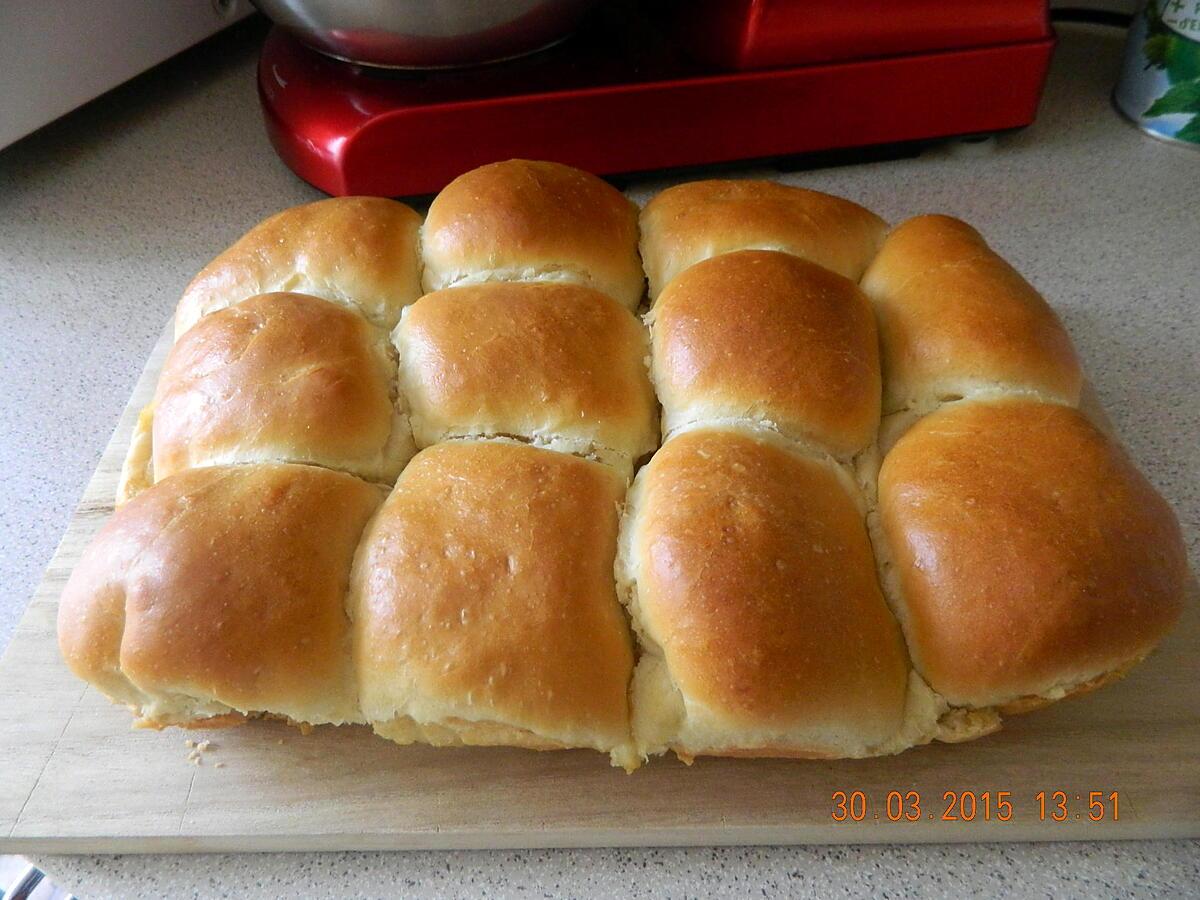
[[198, 749]]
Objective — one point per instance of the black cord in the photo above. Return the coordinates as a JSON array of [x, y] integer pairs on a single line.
[[1091, 16]]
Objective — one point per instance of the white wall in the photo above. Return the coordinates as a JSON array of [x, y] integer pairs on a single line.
[[56, 55]]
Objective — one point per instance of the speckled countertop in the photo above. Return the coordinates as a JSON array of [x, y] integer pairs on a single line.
[[106, 214]]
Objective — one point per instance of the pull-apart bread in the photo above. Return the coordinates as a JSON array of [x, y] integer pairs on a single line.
[[764, 336], [691, 222], [220, 593], [558, 365], [484, 607], [750, 578], [956, 320], [357, 251], [1026, 556], [1073, 572], [275, 378], [533, 221], [877, 516]]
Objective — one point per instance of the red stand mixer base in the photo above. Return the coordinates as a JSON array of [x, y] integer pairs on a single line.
[[349, 130]]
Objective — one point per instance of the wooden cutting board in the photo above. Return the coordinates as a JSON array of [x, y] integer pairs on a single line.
[[75, 778]]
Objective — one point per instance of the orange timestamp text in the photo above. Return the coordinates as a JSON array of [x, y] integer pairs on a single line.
[[971, 806]]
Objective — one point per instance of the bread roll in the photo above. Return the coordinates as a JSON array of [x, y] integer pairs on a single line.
[[763, 335], [752, 586], [220, 593], [558, 364], [955, 320], [484, 607], [533, 221], [692, 222], [1029, 559], [357, 251], [791, 596], [281, 378]]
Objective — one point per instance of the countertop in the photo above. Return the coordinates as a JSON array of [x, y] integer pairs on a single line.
[[106, 214]]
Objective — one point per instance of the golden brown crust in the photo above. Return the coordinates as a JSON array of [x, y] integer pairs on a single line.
[[209, 723], [522, 220], [1024, 556], [220, 590], [358, 251], [556, 363], [755, 583], [483, 592], [1029, 704], [955, 318], [691, 222], [765, 335], [281, 378], [1030, 554]]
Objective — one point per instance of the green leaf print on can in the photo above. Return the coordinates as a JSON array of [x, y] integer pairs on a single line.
[[1160, 85], [1179, 98], [1182, 59], [1190, 131]]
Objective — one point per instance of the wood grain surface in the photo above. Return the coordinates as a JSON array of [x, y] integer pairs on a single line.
[[74, 777]]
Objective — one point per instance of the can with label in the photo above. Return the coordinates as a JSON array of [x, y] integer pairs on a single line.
[[1159, 90]]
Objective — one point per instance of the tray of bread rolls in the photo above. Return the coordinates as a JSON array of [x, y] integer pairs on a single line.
[[420, 529]]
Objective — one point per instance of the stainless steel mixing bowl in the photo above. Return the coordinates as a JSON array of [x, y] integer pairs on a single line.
[[422, 34]]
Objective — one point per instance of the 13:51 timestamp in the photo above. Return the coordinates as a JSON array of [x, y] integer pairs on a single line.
[[970, 806]]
